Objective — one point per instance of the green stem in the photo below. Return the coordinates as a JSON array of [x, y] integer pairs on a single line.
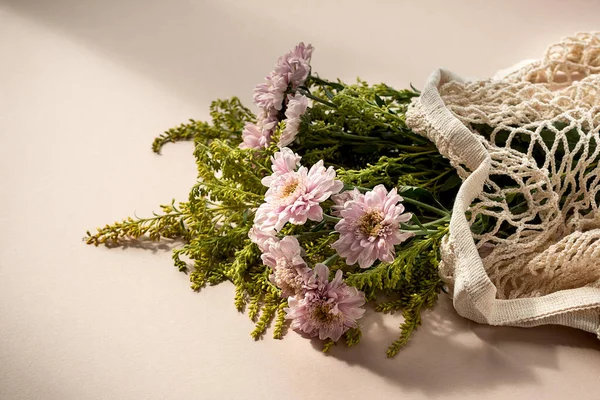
[[315, 98], [426, 206], [350, 136], [426, 225], [331, 218], [332, 259], [373, 139], [439, 177], [345, 135], [144, 220], [438, 221], [220, 207], [323, 82]]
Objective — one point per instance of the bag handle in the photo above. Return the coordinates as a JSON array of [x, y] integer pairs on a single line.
[[474, 292]]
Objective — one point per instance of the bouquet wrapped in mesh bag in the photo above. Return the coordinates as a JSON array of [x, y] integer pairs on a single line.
[[332, 199], [523, 247]]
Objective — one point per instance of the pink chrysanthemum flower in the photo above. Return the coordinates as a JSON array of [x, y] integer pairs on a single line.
[[290, 272], [370, 227], [253, 138], [326, 309], [296, 107], [258, 136], [296, 196], [270, 94], [283, 161], [263, 230], [290, 71], [340, 199], [265, 218], [295, 65]]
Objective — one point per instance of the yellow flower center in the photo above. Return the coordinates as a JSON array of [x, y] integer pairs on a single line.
[[289, 188], [370, 223], [322, 313]]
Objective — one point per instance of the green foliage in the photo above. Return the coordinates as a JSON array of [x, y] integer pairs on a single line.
[[360, 130], [215, 220], [351, 338], [280, 321], [364, 122], [169, 225], [228, 120], [328, 345], [412, 281]]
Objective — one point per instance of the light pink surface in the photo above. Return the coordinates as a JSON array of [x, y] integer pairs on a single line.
[[84, 88]]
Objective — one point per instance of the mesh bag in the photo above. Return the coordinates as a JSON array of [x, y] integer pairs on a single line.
[[524, 241]]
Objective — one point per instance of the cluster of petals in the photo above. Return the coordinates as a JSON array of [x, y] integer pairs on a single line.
[[265, 218], [258, 136], [370, 226], [296, 107], [263, 229], [290, 272], [296, 196], [340, 199], [282, 162], [326, 309], [316, 306], [290, 72]]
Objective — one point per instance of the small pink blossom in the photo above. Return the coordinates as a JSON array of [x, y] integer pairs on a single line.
[[296, 196], [295, 65], [296, 107], [340, 200], [263, 230], [258, 136], [261, 237], [270, 94], [290, 71], [290, 272], [283, 161], [326, 309], [253, 137], [370, 227]]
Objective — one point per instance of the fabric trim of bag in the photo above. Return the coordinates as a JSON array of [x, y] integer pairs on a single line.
[[474, 294]]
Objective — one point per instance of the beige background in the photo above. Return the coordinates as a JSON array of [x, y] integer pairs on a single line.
[[84, 88]]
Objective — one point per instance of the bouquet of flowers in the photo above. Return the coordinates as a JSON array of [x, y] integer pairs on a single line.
[[321, 202]]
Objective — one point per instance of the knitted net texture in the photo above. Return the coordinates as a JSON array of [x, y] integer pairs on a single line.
[[536, 223]]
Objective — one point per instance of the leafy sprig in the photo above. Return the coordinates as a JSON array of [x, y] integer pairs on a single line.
[[360, 130]]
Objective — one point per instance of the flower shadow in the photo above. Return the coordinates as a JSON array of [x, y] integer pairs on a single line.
[[449, 353]]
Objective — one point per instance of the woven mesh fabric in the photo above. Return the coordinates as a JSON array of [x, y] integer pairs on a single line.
[[530, 145]]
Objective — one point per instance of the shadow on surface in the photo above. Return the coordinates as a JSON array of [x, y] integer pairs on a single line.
[[168, 42], [452, 354]]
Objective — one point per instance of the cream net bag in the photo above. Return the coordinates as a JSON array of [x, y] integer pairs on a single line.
[[524, 242]]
